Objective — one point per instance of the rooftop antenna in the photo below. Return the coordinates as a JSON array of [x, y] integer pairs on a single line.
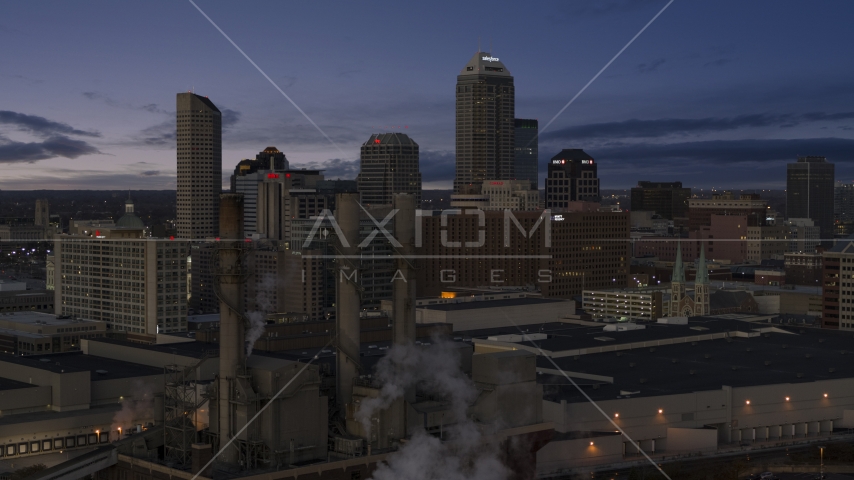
[[478, 44], [490, 45]]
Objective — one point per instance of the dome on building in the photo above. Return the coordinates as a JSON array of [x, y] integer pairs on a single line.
[[129, 219]]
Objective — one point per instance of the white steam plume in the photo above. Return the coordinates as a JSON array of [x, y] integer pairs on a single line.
[[467, 454], [258, 317], [136, 409], [433, 369], [425, 457]]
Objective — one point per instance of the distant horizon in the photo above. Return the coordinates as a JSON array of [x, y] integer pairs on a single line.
[[681, 102]]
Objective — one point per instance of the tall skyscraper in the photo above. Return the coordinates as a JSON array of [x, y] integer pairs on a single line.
[[199, 166], [667, 199], [809, 192], [572, 178], [527, 150], [485, 123], [389, 165], [248, 174]]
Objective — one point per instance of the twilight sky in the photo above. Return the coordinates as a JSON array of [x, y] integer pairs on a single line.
[[715, 93]]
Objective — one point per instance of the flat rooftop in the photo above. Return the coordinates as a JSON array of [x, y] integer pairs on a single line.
[[33, 318], [564, 337], [9, 384], [475, 304], [775, 356], [185, 349], [101, 368], [369, 354], [51, 415]]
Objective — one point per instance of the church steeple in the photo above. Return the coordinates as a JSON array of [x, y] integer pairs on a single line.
[[678, 270], [702, 293]]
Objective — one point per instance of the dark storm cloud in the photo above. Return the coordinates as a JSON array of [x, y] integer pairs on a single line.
[[72, 179], [334, 168], [229, 118], [55, 146], [682, 126], [160, 135], [150, 173], [437, 165], [41, 126], [650, 66], [721, 152]]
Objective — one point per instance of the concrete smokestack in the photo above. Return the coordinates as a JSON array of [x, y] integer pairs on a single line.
[[403, 303], [347, 296], [229, 288], [403, 314]]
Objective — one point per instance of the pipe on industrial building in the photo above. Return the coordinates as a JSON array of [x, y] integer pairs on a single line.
[[347, 296], [229, 288]]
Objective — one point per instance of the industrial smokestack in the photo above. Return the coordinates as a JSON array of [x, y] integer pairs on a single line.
[[229, 289], [403, 314], [403, 302], [347, 296]]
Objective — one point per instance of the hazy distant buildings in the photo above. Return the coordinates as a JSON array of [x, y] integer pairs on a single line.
[[499, 195], [578, 251], [804, 236], [810, 193], [667, 199], [527, 151], [485, 144], [388, 165], [572, 177], [199, 166], [843, 202], [42, 217], [701, 210]]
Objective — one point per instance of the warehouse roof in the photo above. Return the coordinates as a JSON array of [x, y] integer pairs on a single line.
[[53, 415], [779, 356], [570, 337], [101, 368], [476, 304], [185, 349], [9, 384]]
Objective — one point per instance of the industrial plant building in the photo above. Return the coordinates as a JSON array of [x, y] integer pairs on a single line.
[[36, 333], [683, 386]]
